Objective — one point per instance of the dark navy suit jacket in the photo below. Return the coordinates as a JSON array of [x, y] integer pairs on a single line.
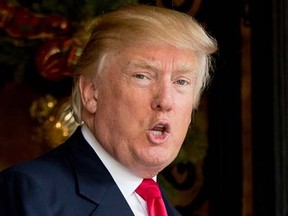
[[70, 180]]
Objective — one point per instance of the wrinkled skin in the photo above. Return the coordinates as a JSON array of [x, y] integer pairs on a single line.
[[141, 109]]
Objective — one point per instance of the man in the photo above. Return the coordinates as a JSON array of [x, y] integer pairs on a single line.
[[137, 82]]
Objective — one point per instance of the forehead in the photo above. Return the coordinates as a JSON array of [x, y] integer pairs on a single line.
[[157, 57]]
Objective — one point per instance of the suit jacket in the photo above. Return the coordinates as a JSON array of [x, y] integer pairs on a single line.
[[70, 180]]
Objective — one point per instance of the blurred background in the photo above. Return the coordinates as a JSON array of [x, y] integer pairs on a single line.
[[234, 159]]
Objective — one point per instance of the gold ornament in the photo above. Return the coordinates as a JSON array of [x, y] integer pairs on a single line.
[[55, 120]]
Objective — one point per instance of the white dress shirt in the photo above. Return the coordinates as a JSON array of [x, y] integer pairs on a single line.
[[126, 181]]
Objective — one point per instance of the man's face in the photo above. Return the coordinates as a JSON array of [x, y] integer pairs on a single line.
[[144, 106]]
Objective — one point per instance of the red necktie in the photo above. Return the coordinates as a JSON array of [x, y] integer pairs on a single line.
[[150, 192]]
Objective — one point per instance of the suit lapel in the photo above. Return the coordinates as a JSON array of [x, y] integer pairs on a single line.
[[95, 184], [113, 204], [94, 181]]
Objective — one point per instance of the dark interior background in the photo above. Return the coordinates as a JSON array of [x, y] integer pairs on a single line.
[[246, 164]]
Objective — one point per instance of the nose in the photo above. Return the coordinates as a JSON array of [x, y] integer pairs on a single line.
[[163, 99]]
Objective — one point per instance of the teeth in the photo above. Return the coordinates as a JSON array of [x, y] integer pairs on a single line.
[[160, 128], [157, 133]]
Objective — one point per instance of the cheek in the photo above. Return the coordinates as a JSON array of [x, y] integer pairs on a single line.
[[123, 108], [183, 115], [132, 101], [185, 105]]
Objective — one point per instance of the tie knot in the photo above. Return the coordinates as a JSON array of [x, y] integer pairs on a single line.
[[148, 189], [150, 192]]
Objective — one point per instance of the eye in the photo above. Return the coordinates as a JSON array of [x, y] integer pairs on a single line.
[[140, 76], [141, 79], [182, 82]]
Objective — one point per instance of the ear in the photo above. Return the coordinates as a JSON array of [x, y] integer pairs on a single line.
[[89, 93]]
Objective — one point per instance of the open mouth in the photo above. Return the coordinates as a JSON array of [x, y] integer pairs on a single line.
[[159, 133], [159, 129]]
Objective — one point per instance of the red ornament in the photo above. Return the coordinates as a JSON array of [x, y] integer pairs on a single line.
[[57, 58], [22, 23]]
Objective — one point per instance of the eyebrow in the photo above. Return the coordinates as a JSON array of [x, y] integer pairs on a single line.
[[141, 64], [146, 64]]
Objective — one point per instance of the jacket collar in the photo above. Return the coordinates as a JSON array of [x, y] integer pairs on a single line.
[[93, 179], [95, 182]]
